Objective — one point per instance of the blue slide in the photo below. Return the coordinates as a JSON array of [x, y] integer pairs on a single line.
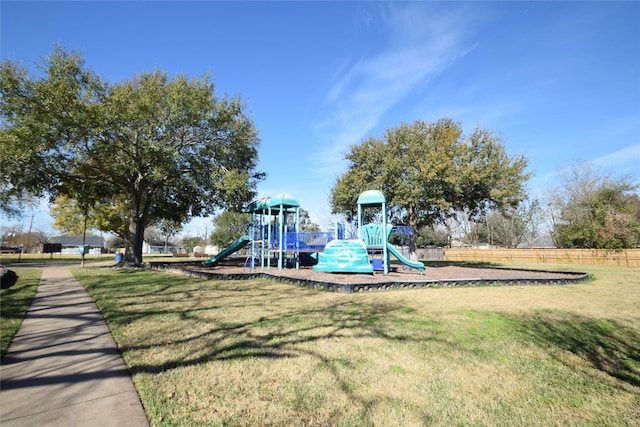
[[235, 247], [413, 264]]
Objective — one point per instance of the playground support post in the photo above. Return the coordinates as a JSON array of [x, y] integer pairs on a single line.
[[374, 199]]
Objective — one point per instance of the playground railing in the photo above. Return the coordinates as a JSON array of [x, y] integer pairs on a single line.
[[372, 235], [310, 241]]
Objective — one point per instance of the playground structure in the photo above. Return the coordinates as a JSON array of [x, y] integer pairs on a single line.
[[274, 236], [348, 257]]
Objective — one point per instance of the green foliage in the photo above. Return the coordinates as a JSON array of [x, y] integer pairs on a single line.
[[144, 149], [115, 243], [69, 217], [228, 226], [596, 210], [108, 215], [168, 228], [34, 115], [507, 228], [305, 222], [428, 170], [608, 220], [429, 236], [188, 243]]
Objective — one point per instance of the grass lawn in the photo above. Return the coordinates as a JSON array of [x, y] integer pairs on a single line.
[[8, 259], [263, 353], [15, 300]]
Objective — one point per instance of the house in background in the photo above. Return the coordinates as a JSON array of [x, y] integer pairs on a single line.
[[70, 244], [158, 247], [205, 250]]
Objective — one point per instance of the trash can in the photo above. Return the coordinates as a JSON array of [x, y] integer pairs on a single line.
[[119, 257]]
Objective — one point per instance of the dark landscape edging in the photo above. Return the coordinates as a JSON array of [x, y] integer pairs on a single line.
[[573, 278]]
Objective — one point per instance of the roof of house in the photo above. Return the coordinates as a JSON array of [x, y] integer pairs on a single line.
[[159, 243], [77, 240]]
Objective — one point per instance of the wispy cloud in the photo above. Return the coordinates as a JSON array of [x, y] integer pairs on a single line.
[[625, 158], [419, 43], [625, 161]]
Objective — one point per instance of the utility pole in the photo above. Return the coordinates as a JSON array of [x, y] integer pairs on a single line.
[[84, 239], [29, 234], [28, 240]]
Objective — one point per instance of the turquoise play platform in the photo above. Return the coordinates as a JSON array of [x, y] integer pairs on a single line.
[[344, 256]]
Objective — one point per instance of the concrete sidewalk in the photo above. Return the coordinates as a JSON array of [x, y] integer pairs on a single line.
[[63, 367]]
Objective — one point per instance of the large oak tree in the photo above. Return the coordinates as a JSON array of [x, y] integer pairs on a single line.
[[427, 171], [157, 147]]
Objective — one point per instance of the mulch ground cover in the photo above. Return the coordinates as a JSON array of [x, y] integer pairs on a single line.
[[401, 277]]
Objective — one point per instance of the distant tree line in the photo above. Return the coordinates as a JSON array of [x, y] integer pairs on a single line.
[[592, 209], [449, 186]]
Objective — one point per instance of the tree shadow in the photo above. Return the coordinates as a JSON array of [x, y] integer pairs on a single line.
[[278, 336], [275, 335], [606, 345], [286, 333]]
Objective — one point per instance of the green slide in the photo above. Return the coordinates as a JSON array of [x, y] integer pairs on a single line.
[[413, 264], [235, 246]]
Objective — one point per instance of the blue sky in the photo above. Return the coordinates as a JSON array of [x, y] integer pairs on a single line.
[[558, 81]]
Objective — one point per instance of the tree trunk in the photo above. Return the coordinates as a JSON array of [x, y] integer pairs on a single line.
[[134, 242], [135, 235], [413, 223], [138, 211]]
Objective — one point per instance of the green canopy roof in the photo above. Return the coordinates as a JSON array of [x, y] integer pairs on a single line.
[[274, 204], [371, 197], [260, 205], [284, 200]]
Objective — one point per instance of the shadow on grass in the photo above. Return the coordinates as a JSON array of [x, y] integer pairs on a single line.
[[606, 345], [295, 333], [192, 336], [180, 315], [279, 335]]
